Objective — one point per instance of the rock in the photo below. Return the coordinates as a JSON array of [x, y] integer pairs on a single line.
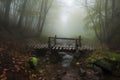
[[90, 75], [105, 65], [98, 71], [81, 71]]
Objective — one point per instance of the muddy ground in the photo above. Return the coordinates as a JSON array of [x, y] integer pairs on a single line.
[[14, 66]]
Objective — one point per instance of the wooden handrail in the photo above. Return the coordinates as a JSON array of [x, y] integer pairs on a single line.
[[64, 38], [77, 41]]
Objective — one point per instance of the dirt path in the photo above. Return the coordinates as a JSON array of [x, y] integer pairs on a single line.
[[71, 74]]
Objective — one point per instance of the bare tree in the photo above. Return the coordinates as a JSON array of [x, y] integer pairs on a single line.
[[104, 22], [42, 15], [23, 17]]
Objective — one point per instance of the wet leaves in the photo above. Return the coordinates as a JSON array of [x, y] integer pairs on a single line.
[[3, 75], [17, 68]]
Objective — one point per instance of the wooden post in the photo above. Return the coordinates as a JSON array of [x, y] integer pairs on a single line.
[[76, 44], [55, 40], [49, 43], [80, 41]]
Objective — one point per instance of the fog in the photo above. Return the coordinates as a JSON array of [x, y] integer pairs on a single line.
[[65, 19]]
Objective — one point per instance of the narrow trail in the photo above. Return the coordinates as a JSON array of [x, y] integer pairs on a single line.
[[71, 75]]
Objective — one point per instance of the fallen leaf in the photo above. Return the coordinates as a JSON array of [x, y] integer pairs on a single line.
[[17, 67]]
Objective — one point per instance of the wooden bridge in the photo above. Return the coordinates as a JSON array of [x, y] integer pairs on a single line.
[[54, 45], [62, 45]]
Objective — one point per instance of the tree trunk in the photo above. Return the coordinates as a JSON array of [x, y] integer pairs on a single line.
[[7, 11], [113, 8], [106, 21], [22, 14]]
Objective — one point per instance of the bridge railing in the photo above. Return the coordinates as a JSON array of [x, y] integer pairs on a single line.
[[52, 41]]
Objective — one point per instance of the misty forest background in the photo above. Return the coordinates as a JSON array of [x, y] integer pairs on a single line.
[[38, 19]]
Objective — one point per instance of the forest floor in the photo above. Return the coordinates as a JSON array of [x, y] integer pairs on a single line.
[[14, 66]]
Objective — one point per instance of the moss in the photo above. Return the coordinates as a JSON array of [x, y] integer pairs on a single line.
[[34, 61], [104, 62], [98, 55]]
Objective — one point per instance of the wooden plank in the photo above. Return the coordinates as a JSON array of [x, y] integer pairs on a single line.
[[64, 38]]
